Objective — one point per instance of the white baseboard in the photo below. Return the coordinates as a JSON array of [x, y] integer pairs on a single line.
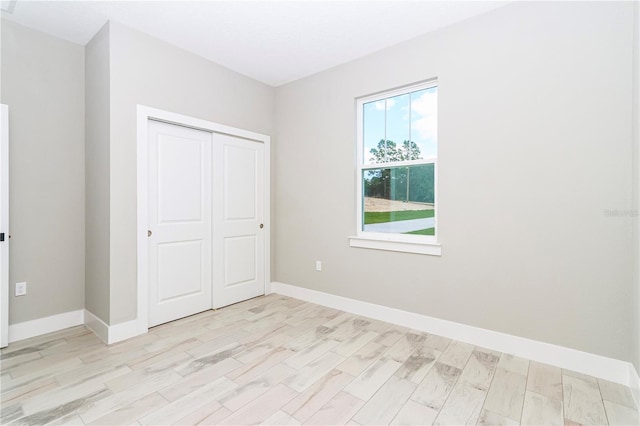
[[111, 333], [124, 331], [37, 327], [583, 362], [108, 334], [96, 325]]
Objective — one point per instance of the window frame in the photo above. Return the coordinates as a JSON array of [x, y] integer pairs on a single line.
[[421, 244]]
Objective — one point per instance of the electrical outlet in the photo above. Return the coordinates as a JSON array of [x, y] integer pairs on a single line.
[[21, 289], [318, 265]]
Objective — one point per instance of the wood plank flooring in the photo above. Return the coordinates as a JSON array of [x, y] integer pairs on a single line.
[[278, 360]]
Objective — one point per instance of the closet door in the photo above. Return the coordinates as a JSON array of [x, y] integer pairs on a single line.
[[180, 249], [4, 226], [239, 252]]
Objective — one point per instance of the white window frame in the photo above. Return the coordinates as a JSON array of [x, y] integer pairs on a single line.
[[421, 244]]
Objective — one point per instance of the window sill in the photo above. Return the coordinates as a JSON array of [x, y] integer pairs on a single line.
[[431, 248]]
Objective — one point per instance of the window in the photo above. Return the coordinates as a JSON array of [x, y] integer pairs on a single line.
[[397, 170]]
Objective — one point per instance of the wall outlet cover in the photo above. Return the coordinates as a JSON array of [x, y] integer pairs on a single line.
[[21, 289]]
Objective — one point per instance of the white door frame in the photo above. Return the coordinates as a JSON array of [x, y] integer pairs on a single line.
[[144, 114], [4, 226]]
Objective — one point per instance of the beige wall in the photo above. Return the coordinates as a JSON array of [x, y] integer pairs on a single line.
[[535, 145], [97, 162], [43, 84], [150, 72]]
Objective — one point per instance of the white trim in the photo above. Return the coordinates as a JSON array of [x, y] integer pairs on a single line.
[[96, 325], [4, 226], [267, 213], [40, 326], [37, 327], [402, 90], [389, 244], [110, 334], [124, 331], [141, 324], [583, 362], [142, 315]]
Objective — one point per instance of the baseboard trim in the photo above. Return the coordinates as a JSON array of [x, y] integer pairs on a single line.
[[583, 362], [110, 334], [124, 331], [95, 324], [37, 327]]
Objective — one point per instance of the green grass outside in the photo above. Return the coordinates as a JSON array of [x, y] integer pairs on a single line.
[[428, 231], [382, 217]]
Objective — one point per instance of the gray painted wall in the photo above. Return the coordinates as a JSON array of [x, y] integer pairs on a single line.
[[150, 72], [97, 164], [43, 84], [535, 139], [528, 122]]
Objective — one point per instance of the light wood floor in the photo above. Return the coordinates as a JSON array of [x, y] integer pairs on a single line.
[[277, 360]]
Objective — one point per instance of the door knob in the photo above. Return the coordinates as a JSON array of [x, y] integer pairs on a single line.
[[149, 233], [261, 225]]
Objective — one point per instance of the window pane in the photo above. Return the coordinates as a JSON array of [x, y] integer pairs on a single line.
[[399, 200], [398, 128], [372, 130], [424, 121]]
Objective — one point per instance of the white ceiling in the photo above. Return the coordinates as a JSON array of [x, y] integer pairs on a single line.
[[271, 41]]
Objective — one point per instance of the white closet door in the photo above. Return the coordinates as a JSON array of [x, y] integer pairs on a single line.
[[180, 256], [238, 221], [4, 225]]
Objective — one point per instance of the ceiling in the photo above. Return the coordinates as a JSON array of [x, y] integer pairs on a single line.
[[275, 42]]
